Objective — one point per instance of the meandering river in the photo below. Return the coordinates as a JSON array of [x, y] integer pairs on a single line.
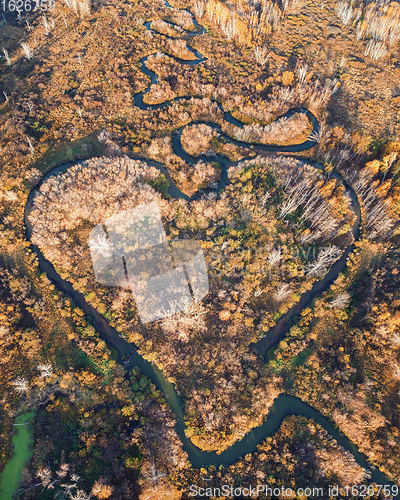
[[284, 404]]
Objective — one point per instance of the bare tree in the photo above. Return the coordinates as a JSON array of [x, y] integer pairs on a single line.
[[295, 196], [27, 50], [46, 25], [330, 87], [283, 292], [229, 28], [326, 257], [286, 94], [199, 8], [153, 474], [45, 476], [20, 385], [81, 495], [191, 319], [264, 198], [261, 55], [302, 73], [395, 340], [320, 138], [102, 245], [102, 490], [347, 13], [80, 7], [31, 148], [394, 35], [85, 6], [45, 369], [341, 301], [360, 31], [274, 257], [375, 50], [8, 59]]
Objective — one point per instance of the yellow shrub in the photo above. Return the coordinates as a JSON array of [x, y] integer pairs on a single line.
[[287, 78]]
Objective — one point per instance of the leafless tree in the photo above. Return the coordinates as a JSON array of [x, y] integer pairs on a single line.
[[20, 385], [102, 245], [396, 371], [80, 7], [283, 292], [379, 219], [199, 8], [180, 324], [286, 94], [101, 489], [8, 59], [81, 495], [31, 148], [394, 35], [85, 6], [261, 55], [46, 25], [302, 73], [347, 13], [229, 28], [153, 474], [45, 476], [375, 50], [272, 14], [295, 196], [395, 339], [341, 301], [46, 370], [326, 257], [319, 137], [27, 50], [330, 87], [274, 257], [360, 31], [72, 4]]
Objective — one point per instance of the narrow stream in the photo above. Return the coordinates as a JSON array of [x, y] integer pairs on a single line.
[[284, 404]]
